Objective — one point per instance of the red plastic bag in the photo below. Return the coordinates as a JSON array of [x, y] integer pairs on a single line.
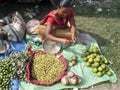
[[33, 80]]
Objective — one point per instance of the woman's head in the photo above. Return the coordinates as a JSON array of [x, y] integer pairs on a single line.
[[64, 8], [65, 3]]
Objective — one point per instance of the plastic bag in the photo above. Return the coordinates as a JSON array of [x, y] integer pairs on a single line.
[[31, 25], [15, 28]]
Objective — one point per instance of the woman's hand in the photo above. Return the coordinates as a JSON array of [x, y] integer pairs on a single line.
[[65, 42], [74, 38]]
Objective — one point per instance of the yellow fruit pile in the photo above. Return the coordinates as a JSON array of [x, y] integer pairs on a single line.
[[96, 60], [46, 68]]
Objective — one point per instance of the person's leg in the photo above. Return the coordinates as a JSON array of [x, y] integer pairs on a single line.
[[62, 33]]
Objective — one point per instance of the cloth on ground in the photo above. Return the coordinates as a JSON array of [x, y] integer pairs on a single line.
[[15, 84], [88, 77], [14, 47]]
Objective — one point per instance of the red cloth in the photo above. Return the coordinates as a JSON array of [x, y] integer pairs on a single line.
[[53, 21], [51, 18]]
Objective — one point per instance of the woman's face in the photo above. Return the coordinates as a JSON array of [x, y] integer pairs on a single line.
[[64, 11]]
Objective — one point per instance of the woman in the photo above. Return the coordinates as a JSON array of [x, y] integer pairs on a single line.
[[58, 19]]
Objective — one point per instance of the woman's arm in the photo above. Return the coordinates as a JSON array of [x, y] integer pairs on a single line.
[[73, 30], [50, 36]]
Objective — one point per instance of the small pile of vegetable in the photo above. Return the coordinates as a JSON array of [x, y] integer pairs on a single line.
[[73, 60], [71, 79]]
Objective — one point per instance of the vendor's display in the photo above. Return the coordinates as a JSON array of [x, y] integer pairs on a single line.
[[12, 67], [73, 60], [19, 61], [71, 78], [6, 72], [45, 69], [93, 58]]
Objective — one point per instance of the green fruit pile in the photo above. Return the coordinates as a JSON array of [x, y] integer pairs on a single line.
[[6, 72], [73, 60], [12, 67], [96, 60], [46, 68], [19, 62]]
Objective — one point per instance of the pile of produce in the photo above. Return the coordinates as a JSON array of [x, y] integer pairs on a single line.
[[93, 58], [71, 78], [6, 73], [73, 60], [12, 67], [46, 68], [19, 62]]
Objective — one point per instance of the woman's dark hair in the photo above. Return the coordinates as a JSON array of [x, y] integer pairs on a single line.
[[65, 3]]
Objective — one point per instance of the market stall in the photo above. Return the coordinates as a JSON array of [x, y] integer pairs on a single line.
[[27, 65]]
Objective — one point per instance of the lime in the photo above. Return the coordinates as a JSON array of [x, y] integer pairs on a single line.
[[92, 56], [88, 64], [109, 73], [90, 60], [92, 47], [106, 61], [98, 56], [96, 64], [103, 66], [95, 70], [106, 69], [97, 59], [90, 50], [95, 50], [93, 65], [99, 74], [100, 68]]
